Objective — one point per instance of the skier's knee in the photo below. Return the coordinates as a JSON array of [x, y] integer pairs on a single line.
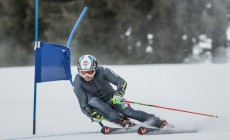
[[127, 112], [93, 101]]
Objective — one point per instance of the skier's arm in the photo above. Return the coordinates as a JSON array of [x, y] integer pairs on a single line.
[[115, 79], [83, 99]]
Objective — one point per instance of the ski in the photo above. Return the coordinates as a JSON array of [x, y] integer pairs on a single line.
[[158, 131], [113, 130]]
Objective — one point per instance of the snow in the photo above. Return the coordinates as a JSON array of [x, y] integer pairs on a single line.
[[228, 33], [194, 87]]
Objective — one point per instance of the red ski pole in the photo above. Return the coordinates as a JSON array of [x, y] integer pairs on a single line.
[[174, 109]]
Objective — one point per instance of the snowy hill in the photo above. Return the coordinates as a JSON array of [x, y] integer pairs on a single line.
[[198, 88]]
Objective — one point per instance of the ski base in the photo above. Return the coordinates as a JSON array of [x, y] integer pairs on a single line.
[[158, 131]]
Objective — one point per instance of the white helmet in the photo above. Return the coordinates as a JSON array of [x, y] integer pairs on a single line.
[[87, 65]]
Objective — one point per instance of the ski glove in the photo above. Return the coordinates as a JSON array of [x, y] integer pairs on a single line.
[[117, 98], [96, 117]]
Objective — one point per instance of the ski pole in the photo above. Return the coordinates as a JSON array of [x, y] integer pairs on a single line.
[[101, 124], [174, 109]]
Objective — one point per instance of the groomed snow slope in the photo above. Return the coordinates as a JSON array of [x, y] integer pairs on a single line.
[[199, 88]]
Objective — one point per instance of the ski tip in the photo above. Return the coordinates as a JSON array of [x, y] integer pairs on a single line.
[[142, 130], [105, 130]]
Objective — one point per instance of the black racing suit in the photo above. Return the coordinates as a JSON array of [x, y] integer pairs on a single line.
[[95, 95]]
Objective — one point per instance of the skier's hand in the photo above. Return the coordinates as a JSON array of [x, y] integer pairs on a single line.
[[117, 99], [96, 117]]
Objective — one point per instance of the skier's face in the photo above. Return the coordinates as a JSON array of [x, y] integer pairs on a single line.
[[87, 75], [88, 78]]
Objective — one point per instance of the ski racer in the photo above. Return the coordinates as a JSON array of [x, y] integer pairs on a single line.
[[98, 100]]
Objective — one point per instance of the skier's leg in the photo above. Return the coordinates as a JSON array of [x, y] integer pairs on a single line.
[[129, 112], [149, 119], [107, 112]]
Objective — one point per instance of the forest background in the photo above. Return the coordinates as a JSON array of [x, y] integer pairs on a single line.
[[119, 31]]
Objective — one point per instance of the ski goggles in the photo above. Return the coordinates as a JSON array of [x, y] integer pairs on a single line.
[[85, 73]]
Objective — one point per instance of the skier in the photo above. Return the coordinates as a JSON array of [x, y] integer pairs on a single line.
[[98, 100]]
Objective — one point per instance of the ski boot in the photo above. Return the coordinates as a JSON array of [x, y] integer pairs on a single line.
[[123, 121], [161, 124], [127, 123], [156, 122]]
